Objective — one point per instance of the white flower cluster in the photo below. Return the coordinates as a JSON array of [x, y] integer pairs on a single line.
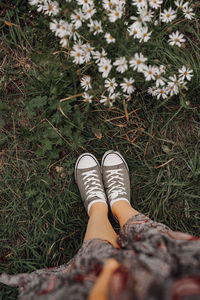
[[110, 66], [47, 7]]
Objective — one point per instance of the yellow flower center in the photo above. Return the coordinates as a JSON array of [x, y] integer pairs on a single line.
[[138, 61], [168, 15], [185, 73]]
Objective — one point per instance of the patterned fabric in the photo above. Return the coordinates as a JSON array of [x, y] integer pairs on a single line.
[[155, 264]]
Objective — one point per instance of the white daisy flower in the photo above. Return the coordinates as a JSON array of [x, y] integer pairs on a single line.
[[180, 5], [63, 28], [162, 69], [185, 73], [174, 80], [139, 20], [127, 86], [73, 33], [155, 3], [107, 100], [151, 91], [77, 54], [87, 98], [110, 84], [105, 67], [144, 35], [115, 14], [89, 12], [137, 62], [77, 18], [109, 5], [160, 80], [149, 72], [168, 15], [134, 30], [99, 55], [85, 3], [95, 26], [147, 15], [172, 89], [140, 3], [176, 38], [121, 64], [188, 13], [87, 52], [51, 8], [161, 93], [86, 82], [54, 26], [109, 38]]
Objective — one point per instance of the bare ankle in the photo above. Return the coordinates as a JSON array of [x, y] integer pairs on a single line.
[[100, 208], [120, 205]]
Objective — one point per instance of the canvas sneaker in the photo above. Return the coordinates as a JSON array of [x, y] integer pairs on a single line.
[[116, 179], [89, 180]]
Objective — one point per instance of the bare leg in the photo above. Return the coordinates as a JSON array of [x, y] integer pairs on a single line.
[[99, 225], [123, 211]]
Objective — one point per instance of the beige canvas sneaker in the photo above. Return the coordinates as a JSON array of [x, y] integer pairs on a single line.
[[89, 180], [115, 177]]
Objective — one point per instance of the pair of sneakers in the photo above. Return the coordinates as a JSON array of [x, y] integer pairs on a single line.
[[107, 183]]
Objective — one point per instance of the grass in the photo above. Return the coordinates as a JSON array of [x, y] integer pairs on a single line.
[[42, 217]]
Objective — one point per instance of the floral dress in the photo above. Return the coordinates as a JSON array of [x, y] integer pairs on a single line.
[[156, 263]]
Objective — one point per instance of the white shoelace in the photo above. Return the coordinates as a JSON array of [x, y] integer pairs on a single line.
[[116, 186], [93, 185]]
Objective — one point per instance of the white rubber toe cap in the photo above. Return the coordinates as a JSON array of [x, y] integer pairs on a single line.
[[86, 162], [112, 159]]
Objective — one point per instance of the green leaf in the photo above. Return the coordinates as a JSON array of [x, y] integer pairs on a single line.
[[3, 106]]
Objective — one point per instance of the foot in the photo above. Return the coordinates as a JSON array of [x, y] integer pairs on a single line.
[[115, 177], [89, 180]]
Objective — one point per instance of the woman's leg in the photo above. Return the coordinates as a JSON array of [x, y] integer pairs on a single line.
[[99, 226], [123, 211]]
